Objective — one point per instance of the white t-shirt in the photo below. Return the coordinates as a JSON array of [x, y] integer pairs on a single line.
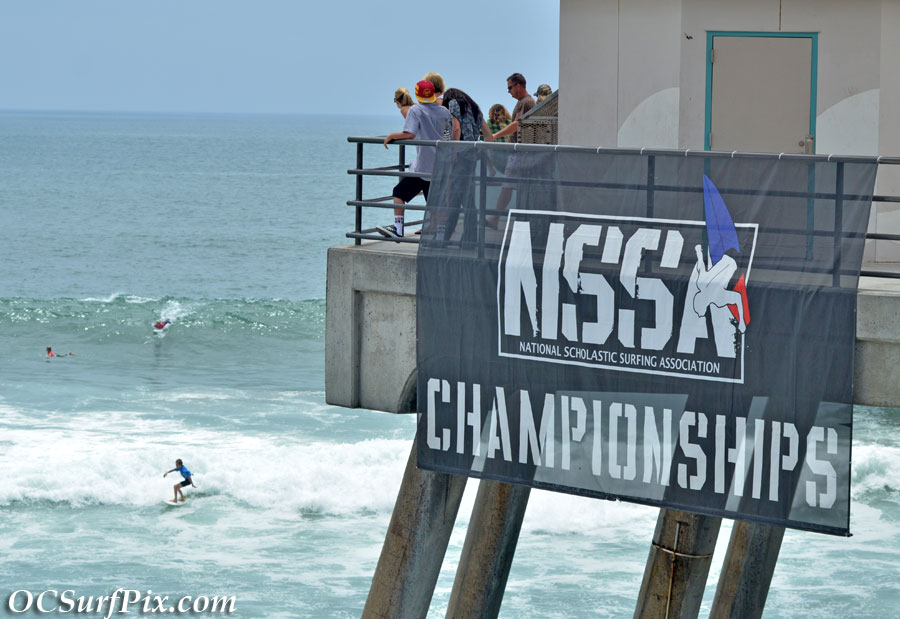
[[427, 121]]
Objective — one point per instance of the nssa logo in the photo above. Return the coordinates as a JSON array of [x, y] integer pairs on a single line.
[[654, 296]]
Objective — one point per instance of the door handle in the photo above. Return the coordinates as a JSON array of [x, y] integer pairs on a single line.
[[808, 144]]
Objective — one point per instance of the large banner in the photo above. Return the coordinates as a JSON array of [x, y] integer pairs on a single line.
[[668, 330]]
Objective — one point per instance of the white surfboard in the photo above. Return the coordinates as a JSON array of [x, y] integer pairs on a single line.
[[172, 504]]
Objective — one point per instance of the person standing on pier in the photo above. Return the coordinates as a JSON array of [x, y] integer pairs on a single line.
[[403, 101], [426, 121], [437, 81], [515, 85], [543, 91]]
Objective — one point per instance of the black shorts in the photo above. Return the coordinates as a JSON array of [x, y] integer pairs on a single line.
[[409, 187], [186, 482]]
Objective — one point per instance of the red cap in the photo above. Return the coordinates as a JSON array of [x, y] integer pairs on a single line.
[[425, 92]]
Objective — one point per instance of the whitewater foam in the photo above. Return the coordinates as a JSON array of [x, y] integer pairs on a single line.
[[121, 457], [875, 469], [174, 310], [117, 296], [117, 457]]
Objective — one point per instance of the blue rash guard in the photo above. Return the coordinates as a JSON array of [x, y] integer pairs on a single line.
[[184, 472]]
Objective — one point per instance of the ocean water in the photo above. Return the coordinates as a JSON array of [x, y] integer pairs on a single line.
[[109, 222]]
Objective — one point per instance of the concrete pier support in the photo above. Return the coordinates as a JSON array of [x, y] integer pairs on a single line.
[[415, 544], [488, 550], [678, 565], [747, 572]]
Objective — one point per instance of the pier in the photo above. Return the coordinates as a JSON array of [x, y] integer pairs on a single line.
[[371, 336], [704, 79]]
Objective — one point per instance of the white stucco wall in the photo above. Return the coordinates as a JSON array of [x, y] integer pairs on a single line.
[[850, 126], [647, 100], [887, 217], [619, 70], [653, 123], [588, 72]]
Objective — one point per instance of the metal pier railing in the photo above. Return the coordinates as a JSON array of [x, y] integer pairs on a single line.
[[400, 169]]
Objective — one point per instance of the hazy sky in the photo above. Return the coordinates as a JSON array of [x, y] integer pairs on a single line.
[[265, 56]]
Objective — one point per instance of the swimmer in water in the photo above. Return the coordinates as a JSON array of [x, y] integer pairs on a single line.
[[159, 325], [50, 353]]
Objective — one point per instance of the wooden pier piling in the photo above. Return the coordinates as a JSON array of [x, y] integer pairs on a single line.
[[488, 551], [676, 571], [416, 542], [747, 572]]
